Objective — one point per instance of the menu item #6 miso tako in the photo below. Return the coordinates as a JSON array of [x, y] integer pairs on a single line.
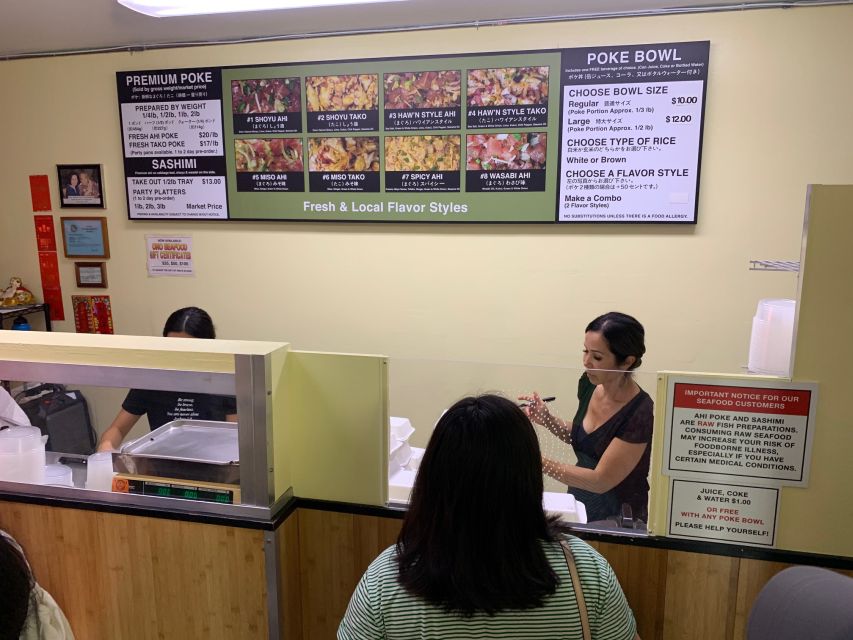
[[507, 86], [268, 95], [423, 89], [506, 151], [343, 154], [342, 93]]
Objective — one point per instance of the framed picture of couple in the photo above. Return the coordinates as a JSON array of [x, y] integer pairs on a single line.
[[80, 185]]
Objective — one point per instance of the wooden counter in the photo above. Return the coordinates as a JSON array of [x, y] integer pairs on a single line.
[[125, 576]]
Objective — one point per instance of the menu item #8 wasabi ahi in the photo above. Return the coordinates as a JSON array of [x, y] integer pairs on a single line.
[[506, 151]]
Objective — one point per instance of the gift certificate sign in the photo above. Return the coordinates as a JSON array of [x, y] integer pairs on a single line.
[[631, 132], [173, 150]]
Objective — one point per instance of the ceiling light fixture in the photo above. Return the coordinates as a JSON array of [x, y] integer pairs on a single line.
[[170, 8]]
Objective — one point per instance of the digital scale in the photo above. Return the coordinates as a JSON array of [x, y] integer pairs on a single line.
[[176, 488]]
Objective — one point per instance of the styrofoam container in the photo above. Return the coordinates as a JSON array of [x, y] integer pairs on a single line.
[[565, 505], [58, 475], [401, 428], [772, 337], [400, 454], [400, 485], [415, 459]]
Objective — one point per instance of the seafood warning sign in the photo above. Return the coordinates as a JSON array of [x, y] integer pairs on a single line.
[[491, 137], [760, 431]]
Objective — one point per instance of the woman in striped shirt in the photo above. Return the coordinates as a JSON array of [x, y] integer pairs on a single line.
[[477, 557]]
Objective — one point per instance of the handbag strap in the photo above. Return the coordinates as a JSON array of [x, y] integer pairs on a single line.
[[576, 586]]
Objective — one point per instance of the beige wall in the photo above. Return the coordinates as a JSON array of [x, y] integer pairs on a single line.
[[777, 118]]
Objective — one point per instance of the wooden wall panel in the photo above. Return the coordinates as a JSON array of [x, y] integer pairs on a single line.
[[642, 572], [290, 579], [700, 596], [335, 549], [119, 576]]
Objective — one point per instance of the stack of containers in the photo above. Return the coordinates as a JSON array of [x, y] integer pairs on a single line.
[[403, 460], [772, 338], [22, 457]]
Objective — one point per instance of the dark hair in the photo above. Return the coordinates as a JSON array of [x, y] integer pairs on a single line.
[[16, 586], [624, 334], [190, 320], [472, 537]]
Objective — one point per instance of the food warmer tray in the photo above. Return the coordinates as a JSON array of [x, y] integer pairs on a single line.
[[184, 449]]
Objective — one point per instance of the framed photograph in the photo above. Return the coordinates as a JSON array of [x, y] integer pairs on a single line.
[[80, 185], [85, 237], [91, 274]]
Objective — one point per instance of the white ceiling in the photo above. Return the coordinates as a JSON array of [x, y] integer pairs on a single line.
[[29, 27]]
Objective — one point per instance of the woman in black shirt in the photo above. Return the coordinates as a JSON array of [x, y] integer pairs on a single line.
[[164, 406]]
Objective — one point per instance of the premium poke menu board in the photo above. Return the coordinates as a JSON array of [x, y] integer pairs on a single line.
[[462, 138]]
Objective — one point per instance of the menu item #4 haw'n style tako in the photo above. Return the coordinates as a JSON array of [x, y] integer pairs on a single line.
[[343, 154], [272, 154], [422, 153], [342, 93], [507, 86], [269, 95], [505, 151], [422, 89]]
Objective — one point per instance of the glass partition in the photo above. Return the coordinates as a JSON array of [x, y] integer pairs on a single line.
[[420, 390]]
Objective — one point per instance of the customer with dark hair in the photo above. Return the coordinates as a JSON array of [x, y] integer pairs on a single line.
[[612, 428], [164, 406], [27, 612], [477, 557]]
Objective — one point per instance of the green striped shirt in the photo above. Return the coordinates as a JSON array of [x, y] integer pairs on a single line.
[[381, 608]]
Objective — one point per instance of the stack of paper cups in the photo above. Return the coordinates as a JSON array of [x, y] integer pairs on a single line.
[[772, 337]]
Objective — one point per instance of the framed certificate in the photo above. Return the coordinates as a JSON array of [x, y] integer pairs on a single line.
[[91, 274], [85, 237]]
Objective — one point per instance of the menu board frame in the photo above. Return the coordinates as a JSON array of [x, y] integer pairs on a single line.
[[519, 182]]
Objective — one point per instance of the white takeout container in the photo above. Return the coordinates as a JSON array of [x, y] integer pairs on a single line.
[[401, 428], [58, 475]]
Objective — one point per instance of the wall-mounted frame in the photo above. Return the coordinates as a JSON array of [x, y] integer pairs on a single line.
[[85, 237], [91, 274], [80, 185]]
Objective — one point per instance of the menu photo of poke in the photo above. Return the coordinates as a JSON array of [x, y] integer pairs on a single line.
[[342, 103], [507, 97], [269, 164], [505, 162], [267, 105], [343, 164], [423, 100], [422, 163]]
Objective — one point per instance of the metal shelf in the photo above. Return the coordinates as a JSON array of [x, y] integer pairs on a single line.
[[774, 265]]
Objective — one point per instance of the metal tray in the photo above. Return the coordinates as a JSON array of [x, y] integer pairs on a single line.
[[185, 449]]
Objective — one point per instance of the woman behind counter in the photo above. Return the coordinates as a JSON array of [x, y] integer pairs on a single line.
[[612, 428], [165, 406]]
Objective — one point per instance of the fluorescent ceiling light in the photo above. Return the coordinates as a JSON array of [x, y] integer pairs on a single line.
[[168, 8]]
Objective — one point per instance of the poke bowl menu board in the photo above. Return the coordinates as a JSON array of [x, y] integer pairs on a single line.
[[494, 137]]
